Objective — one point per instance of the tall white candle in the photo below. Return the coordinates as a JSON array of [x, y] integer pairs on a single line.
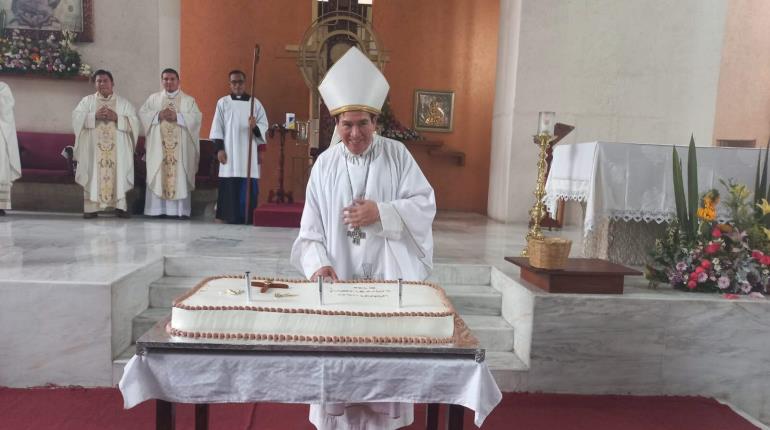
[[546, 122]]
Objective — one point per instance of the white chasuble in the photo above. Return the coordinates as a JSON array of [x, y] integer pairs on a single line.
[[10, 164], [400, 245], [172, 151], [231, 124], [104, 151]]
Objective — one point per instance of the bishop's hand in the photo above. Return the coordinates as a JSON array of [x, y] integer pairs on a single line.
[[361, 213], [324, 272], [252, 122]]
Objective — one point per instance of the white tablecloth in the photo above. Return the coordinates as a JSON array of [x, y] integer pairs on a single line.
[[631, 181], [237, 378]]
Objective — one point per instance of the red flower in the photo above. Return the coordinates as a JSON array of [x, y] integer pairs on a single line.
[[692, 284], [756, 254], [705, 264], [716, 232], [765, 260], [698, 269], [712, 248]]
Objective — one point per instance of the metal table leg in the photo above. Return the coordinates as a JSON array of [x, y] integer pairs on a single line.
[[164, 415], [202, 417], [431, 416], [455, 417]]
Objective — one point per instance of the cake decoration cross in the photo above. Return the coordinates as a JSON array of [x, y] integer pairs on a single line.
[[266, 285]]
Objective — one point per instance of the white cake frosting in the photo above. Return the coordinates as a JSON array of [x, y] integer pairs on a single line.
[[355, 311]]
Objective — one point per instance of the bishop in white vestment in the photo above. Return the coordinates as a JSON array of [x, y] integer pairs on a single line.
[[106, 129], [172, 122], [368, 214], [230, 130], [10, 165]]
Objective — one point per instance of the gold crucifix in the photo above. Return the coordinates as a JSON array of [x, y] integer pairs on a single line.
[[266, 285]]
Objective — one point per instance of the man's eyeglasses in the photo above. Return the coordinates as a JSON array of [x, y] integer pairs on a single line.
[[240, 81]]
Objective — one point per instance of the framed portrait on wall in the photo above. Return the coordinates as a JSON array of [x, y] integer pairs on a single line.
[[433, 110], [38, 18]]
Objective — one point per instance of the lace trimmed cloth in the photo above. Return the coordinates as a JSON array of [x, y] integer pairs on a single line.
[[631, 183]]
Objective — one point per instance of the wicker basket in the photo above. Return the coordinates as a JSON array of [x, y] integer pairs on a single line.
[[549, 253]]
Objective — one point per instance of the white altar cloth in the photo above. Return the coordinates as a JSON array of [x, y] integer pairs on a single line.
[[187, 377], [634, 182]]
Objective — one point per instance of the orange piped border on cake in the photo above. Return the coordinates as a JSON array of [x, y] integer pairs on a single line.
[[461, 336]]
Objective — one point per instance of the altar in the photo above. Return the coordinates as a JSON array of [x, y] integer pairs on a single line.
[[626, 190]]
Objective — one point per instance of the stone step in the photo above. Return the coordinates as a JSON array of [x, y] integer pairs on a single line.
[[493, 332], [120, 362], [144, 321], [475, 299], [467, 299], [510, 373], [199, 266]]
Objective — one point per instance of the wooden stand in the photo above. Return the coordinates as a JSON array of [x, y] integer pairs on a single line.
[[280, 195], [581, 276]]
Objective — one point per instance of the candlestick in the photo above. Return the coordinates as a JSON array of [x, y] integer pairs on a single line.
[[248, 286], [400, 292], [321, 290]]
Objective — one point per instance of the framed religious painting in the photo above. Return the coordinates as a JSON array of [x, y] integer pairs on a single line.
[[37, 19], [433, 110]]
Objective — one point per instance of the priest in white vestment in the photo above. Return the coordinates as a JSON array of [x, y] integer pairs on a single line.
[[368, 214], [106, 129], [172, 123], [10, 165], [230, 130]]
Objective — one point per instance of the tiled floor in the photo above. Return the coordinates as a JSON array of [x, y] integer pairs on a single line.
[[39, 246]]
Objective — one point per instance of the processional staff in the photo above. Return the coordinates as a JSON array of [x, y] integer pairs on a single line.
[[251, 136]]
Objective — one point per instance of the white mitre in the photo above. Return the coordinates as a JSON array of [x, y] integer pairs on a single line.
[[354, 83]]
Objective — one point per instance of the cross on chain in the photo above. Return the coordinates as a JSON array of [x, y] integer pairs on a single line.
[[268, 284], [356, 234]]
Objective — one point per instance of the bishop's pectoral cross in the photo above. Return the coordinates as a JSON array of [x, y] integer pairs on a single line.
[[356, 235], [266, 285]]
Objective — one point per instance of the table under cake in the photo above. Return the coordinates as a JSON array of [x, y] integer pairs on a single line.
[[173, 369], [626, 190]]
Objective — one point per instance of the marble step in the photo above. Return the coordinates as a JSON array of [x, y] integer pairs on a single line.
[[200, 266], [119, 362], [493, 332], [510, 373], [144, 321], [467, 299]]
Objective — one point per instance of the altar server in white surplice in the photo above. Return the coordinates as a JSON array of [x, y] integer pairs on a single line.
[[10, 166], [230, 130], [368, 214], [106, 129], [172, 123]]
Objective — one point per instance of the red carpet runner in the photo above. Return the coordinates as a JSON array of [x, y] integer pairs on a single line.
[[278, 215], [102, 408]]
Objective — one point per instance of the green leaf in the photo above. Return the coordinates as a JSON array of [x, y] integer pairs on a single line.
[[763, 178], [757, 197], [692, 188], [681, 208]]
